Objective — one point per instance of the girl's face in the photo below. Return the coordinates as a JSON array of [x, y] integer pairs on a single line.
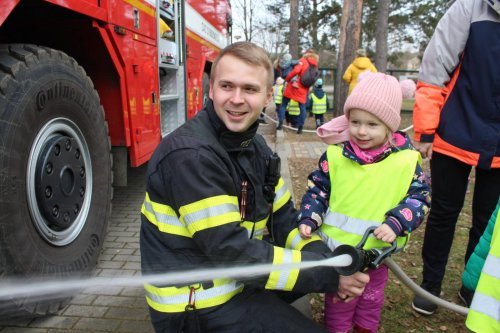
[[366, 130]]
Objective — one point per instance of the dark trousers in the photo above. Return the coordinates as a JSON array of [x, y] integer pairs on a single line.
[[320, 120], [449, 186], [251, 311]]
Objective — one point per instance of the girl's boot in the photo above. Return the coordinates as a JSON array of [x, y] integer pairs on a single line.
[[359, 329]]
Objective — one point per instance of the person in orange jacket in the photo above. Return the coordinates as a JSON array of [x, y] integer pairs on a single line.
[[297, 91], [457, 126]]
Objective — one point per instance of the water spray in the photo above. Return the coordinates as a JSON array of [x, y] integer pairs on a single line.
[[35, 288]]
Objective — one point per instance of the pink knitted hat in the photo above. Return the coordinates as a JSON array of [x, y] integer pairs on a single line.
[[379, 94]]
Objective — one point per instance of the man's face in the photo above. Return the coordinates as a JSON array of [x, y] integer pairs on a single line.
[[239, 92]]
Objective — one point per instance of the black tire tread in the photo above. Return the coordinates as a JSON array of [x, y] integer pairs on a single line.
[[15, 62]]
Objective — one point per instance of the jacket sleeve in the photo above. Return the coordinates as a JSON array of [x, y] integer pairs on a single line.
[[347, 77], [204, 198], [315, 201], [475, 264], [297, 69], [440, 62], [411, 211]]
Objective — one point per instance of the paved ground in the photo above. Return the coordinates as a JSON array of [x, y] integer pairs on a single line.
[[124, 310]]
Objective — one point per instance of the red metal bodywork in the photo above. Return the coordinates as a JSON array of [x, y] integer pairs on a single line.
[[127, 80]]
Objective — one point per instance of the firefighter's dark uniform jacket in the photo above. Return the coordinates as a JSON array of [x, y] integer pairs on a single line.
[[191, 218]]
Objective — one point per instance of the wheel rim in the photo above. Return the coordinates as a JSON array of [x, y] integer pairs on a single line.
[[59, 181]]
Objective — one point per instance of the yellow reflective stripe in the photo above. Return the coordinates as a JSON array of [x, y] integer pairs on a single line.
[[294, 241], [284, 279], [258, 231], [282, 195], [210, 212], [172, 299], [163, 217]]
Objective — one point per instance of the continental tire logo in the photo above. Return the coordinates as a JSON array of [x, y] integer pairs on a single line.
[[59, 90]]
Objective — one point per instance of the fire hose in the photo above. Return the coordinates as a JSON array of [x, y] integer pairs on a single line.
[[373, 258], [346, 259]]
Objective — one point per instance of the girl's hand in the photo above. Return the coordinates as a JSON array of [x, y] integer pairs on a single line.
[[305, 231], [384, 233]]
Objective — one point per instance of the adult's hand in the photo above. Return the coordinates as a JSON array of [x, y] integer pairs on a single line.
[[425, 148], [352, 286]]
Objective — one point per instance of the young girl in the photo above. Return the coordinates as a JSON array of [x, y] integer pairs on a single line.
[[370, 175]]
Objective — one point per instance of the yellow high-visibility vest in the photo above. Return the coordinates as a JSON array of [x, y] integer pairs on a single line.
[[351, 209], [318, 104], [278, 96], [484, 312], [293, 108]]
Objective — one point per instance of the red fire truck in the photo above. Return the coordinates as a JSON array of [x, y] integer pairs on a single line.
[[88, 88]]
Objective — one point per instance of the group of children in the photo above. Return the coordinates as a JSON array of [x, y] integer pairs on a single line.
[[317, 101]]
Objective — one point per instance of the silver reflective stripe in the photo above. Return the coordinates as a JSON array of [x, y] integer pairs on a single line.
[[280, 193], [258, 232], [163, 218], [486, 305], [284, 274], [211, 211], [295, 241], [492, 266], [199, 295], [330, 242], [349, 224]]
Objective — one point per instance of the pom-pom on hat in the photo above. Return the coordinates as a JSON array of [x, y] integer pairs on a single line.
[[319, 82], [380, 95]]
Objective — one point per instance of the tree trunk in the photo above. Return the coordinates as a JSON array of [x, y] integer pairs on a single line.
[[350, 31], [294, 28], [381, 35]]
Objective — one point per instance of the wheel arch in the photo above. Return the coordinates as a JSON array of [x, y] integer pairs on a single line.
[[73, 34]]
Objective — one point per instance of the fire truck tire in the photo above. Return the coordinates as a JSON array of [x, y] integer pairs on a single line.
[[55, 173], [205, 88]]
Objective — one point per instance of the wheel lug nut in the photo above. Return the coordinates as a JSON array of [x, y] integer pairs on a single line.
[[66, 216], [48, 192], [55, 211], [77, 154], [82, 172], [57, 150], [67, 145], [82, 191], [48, 168]]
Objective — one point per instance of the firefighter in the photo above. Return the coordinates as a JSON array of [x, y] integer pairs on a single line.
[[213, 186]]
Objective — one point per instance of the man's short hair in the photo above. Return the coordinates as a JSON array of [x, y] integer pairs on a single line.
[[249, 53]]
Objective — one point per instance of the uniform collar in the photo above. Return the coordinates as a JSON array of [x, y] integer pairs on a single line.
[[233, 141]]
